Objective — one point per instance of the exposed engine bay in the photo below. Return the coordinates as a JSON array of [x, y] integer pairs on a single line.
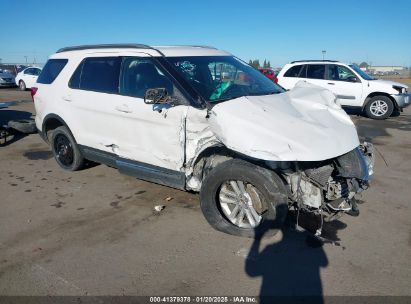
[[330, 188]]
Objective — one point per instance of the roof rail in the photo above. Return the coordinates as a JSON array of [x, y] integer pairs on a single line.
[[203, 46], [106, 46], [314, 61]]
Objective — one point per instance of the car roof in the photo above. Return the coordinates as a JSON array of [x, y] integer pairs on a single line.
[[168, 51], [313, 61]]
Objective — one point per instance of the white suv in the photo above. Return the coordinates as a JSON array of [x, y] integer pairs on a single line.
[[352, 86], [167, 115]]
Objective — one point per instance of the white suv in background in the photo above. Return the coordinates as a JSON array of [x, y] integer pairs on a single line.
[[352, 86], [27, 78]]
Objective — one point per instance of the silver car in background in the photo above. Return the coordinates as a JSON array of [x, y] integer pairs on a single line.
[[6, 79]]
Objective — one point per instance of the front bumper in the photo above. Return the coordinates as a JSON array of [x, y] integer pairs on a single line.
[[403, 100]]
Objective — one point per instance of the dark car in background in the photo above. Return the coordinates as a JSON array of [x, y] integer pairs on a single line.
[[6, 79], [13, 69]]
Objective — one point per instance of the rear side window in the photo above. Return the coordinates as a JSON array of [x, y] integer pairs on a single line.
[[100, 74], [294, 71], [316, 71], [51, 70]]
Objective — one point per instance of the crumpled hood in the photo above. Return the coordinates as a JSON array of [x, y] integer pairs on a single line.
[[303, 124]]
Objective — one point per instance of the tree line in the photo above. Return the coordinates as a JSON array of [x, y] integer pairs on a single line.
[[256, 63]]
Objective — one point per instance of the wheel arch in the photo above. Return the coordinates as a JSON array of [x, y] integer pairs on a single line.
[[50, 123], [210, 157], [374, 94]]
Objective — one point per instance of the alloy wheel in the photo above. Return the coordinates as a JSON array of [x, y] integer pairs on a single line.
[[241, 203], [378, 107], [63, 150]]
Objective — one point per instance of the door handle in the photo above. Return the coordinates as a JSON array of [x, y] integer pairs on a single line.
[[124, 109], [331, 83]]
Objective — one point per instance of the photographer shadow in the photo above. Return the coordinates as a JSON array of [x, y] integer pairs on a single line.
[[290, 268]]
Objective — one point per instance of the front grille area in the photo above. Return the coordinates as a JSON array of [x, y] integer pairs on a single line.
[[321, 174]]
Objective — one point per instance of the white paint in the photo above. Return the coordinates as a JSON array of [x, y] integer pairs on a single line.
[[199, 135], [304, 124], [28, 77], [357, 92]]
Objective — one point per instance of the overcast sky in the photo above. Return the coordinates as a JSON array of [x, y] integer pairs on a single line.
[[375, 31]]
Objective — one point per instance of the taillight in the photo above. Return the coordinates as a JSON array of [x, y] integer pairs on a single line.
[[33, 92]]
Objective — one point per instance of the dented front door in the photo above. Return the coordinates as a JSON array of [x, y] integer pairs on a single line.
[[149, 134]]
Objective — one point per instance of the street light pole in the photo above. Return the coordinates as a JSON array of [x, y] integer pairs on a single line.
[[25, 58], [324, 51]]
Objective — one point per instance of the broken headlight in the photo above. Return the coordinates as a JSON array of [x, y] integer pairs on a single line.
[[399, 89]]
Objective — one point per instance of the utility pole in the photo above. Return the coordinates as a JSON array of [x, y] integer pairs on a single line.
[[25, 58], [323, 51]]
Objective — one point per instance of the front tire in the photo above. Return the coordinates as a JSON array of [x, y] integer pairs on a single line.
[[65, 150], [243, 199], [22, 85], [379, 107]]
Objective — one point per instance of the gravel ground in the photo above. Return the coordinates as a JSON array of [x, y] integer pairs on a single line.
[[93, 232]]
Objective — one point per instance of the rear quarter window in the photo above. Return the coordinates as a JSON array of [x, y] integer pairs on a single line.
[[98, 74], [51, 70], [294, 71]]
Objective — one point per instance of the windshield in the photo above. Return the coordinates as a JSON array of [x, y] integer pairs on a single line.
[[363, 75], [219, 78]]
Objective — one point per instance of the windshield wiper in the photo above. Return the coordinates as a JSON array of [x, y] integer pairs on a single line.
[[228, 98]]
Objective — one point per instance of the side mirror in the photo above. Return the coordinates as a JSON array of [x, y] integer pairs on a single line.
[[156, 96], [352, 79]]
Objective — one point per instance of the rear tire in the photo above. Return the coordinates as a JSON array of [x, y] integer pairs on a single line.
[[22, 85], [379, 107], [269, 191], [65, 150]]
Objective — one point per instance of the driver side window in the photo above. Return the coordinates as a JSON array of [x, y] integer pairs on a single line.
[[140, 74], [339, 73]]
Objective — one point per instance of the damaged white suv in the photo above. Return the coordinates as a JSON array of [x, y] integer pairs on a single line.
[[197, 118]]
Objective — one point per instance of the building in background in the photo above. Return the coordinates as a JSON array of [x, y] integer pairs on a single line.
[[387, 70]]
